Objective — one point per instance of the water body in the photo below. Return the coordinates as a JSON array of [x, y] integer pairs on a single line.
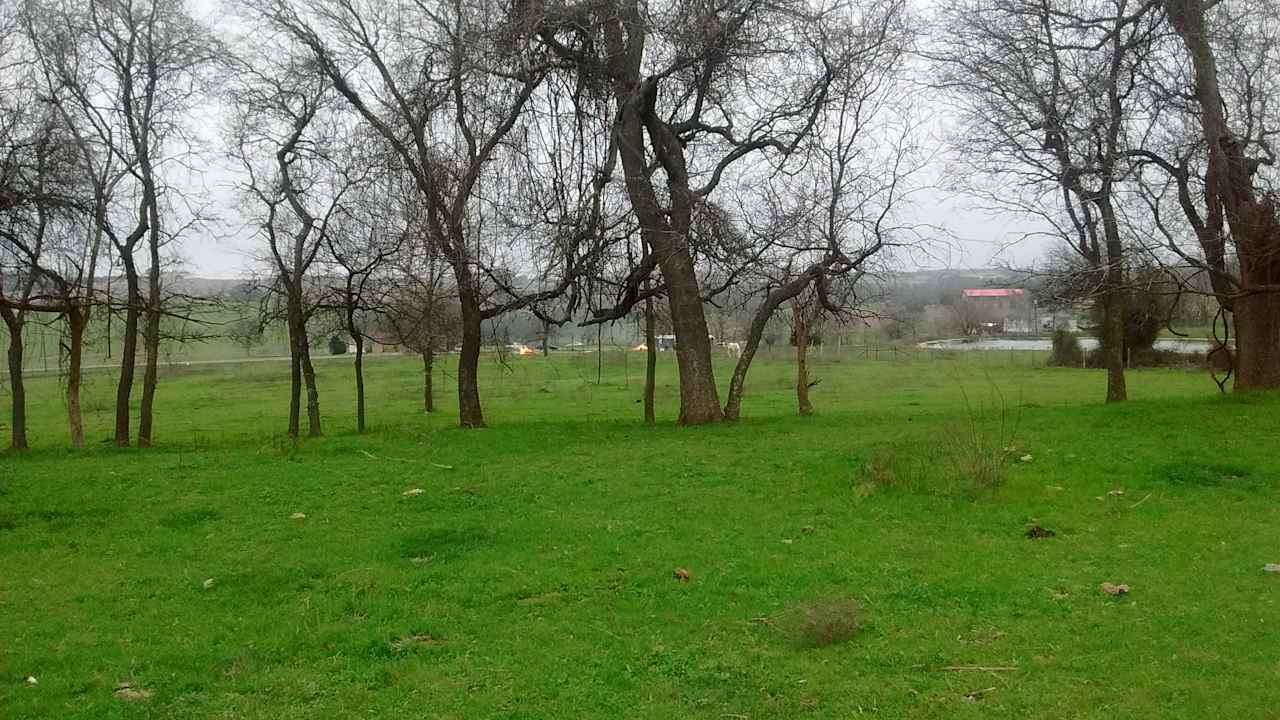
[[1189, 347]]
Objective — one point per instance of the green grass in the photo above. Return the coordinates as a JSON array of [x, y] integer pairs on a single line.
[[534, 576]]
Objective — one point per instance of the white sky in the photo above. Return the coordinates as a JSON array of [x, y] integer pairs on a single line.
[[968, 237]]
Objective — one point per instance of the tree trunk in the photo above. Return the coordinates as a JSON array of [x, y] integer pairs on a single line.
[[470, 414], [359, 382], [802, 363], [665, 230], [738, 383], [1257, 322], [313, 395], [1115, 302], [650, 359], [18, 431], [128, 352], [428, 389], [150, 373], [151, 339], [759, 322], [295, 388], [1113, 312], [297, 340], [77, 321], [699, 400]]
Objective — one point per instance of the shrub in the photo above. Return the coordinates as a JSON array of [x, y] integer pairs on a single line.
[[1066, 350], [337, 345]]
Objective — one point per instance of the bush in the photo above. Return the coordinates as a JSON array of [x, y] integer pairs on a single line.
[[1066, 350], [337, 345]]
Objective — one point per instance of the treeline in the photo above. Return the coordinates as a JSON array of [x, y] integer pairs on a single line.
[[415, 171]]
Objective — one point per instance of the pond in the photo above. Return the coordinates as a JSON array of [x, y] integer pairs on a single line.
[[1189, 347]]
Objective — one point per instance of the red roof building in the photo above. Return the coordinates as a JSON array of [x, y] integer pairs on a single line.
[[993, 292]]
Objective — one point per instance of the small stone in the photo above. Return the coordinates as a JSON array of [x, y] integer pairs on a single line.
[[208, 584], [787, 541], [415, 491], [1111, 589], [1025, 458], [31, 680], [298, 516], [682, 574]]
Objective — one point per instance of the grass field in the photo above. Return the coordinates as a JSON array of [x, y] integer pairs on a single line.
[[533, 576]]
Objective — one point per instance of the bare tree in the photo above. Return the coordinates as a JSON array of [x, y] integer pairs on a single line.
[[61, 53], [286, 112], [418, 305], [445, 99], [34, 167], [696, 90], [360, 247], [1219, 181], [816, 233], [122, 73], [1044, 90]]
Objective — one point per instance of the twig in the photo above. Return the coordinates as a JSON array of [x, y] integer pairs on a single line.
[[979, 668], [371, 456], [443, 467], [974, 695], [1148, 497]]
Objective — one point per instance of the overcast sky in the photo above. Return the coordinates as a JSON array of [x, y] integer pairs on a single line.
[[968, 237]]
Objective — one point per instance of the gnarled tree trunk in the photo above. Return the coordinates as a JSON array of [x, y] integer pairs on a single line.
[[1257, 323], [18, 430], [666, 233], [699, 399], [1253, 217]]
